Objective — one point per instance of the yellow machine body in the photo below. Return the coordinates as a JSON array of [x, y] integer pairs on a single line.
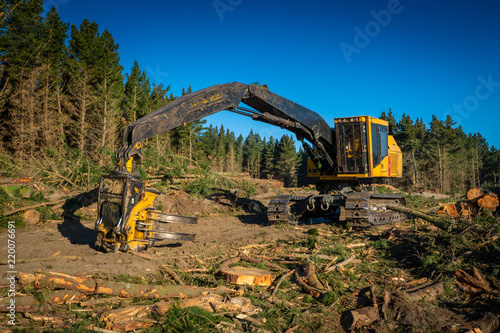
[[364, 151]]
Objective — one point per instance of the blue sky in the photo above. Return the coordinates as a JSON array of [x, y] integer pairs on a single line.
[[338, 58]]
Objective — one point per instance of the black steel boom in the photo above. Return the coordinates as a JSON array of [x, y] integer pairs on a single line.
[[269, 108]]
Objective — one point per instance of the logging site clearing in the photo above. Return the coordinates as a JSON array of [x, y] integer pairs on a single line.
[[438, 271]]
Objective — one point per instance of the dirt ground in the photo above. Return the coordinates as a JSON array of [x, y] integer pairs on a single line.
[[226, 231], [71, 237]]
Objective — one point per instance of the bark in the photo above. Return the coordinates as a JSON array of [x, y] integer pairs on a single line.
[[441, 224], [358, 318], [340, 264], [123, 289], [428, 293]]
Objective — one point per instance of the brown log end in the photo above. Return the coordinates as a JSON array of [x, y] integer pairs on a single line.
[[488, 201], [247, 275], [474, 193]]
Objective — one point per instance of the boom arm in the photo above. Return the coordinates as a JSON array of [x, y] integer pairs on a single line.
[[267, 107]]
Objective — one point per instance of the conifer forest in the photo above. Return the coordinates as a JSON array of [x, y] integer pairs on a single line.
[[65, 100]]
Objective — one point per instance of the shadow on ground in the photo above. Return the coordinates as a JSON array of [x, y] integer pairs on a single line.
[[72, 227]]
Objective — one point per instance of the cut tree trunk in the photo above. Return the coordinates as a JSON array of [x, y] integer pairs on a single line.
[[123, 289], [443, 225], [358, 318], [248, 276], [488, 201], [449, 210], [474, 193]]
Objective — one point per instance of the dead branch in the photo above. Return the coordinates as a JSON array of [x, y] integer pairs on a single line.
[[292, 329], [228, 262], [22, 209], [311, 290], [281, 279], [250, 319], [262, 261], [310, 276], [355, 245], [440, 223], [340, 264], [472, 283], [373, 296], [172, 274]]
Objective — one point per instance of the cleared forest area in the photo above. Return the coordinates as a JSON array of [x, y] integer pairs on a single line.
[[307, 278]]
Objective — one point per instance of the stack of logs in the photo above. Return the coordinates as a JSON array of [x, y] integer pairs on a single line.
[[476, 202]]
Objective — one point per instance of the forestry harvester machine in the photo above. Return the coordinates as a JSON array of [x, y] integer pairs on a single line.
[[357, 152]]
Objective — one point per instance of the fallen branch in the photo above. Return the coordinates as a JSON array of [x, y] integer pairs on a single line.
[[440, 223], [281, 279], [172, 274], [228, 262], [311, 290], [22, 209], [262, 261], [340, 264]]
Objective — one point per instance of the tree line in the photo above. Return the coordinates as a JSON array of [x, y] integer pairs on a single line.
[[65, 100], [441, 156]]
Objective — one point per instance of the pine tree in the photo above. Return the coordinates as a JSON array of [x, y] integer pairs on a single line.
[[136, 94], [269, 158], [22, 45], [287, 161]]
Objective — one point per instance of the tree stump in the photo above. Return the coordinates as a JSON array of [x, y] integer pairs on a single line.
[[247, 275]]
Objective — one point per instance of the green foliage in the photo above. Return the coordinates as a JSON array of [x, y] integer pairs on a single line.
[[312, 238], [191, 319]]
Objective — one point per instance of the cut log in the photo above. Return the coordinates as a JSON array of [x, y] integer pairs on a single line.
[[448, 210], [488, 201], [472, 283], [248, 276], [440, 223], [89, 285], [428, 293], [358, 318], [210, 303], [474, 193]]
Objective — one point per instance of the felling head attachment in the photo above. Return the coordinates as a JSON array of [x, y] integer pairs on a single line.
[[127, 220]]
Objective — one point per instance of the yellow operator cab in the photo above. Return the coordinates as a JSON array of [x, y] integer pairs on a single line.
[[364, 150]]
